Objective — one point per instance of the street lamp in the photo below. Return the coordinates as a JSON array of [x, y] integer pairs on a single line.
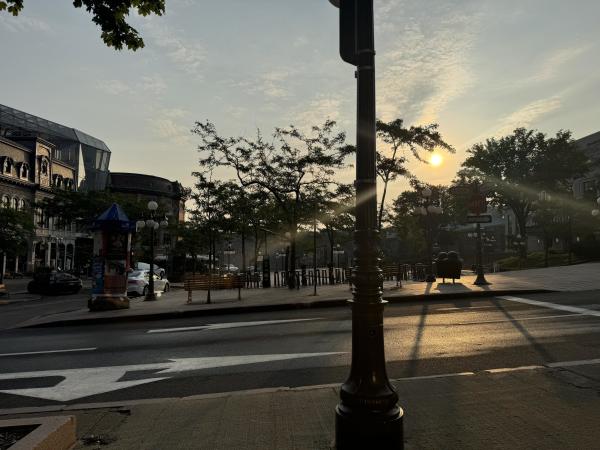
[[152, 225], [596, 211], [368, 415], [428, 210]]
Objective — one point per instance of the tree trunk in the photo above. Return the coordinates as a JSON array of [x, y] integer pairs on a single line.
[[243, 253], [381, 205], [292, 273]]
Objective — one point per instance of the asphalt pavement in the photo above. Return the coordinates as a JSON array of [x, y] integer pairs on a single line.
[[192, 356]]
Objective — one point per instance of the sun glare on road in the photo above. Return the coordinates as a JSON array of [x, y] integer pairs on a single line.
[[436, 159]]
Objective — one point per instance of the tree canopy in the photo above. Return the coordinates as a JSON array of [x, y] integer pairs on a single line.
[[517, 167], [403, 142], [110, 16]]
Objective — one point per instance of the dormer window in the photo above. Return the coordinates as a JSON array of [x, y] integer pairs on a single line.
[[25, 170], [7, 164], [44, 167], [57, 180]]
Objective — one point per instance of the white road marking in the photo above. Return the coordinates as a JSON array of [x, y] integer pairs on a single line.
[[44, 352], [558, 307], [222, 326], [83, 382], [517, 319], [583, 362], [513, 369]]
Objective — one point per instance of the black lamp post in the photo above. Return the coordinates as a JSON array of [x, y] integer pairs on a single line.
[[368, 415], [428, 210], [152, 225]]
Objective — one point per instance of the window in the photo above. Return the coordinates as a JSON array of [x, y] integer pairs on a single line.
[[22, 206], [6, 201], [15, 203], [7, 164], [25, 170]]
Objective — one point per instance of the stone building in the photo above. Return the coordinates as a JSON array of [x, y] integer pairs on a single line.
[[29, 170], [169, 195]]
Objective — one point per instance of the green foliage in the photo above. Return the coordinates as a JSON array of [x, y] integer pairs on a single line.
[[15, 228], [536, 260], [517, 167], [110, 16], [289, 171], [401, 140]]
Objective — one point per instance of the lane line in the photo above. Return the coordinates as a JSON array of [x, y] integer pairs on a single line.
[[514, 369], [558, 307], [223, 326], [583, 362], [520, 320], [45, 352]]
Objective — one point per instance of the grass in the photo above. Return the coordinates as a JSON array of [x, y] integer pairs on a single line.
[[536, 260]]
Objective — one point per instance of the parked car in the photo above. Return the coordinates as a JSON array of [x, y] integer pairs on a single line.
[[231, 268], [145, 266], [138, 281], [52, 282]]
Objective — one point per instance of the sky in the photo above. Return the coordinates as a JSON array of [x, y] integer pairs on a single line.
[[478, 68]]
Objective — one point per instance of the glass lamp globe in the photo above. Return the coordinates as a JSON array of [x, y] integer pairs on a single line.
[[164, 223], [140, 224], [152, 205], [596, 212], [150, 223], [426, 192]]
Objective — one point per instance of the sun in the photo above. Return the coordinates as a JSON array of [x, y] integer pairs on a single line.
[[436, 159]]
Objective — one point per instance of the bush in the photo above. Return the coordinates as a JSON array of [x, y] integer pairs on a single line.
[[536, 260]]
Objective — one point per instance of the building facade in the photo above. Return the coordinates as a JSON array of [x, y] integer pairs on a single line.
[[29, 171]]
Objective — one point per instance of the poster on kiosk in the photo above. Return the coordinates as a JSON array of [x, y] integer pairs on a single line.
[[111, 260]]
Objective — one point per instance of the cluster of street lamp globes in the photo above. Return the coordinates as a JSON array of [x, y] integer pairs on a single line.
[[152, 225], [428, 209]]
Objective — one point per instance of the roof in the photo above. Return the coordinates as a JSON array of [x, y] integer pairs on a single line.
[[15, 144], [46, 128]]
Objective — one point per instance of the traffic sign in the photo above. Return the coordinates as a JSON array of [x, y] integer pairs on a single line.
[[477, 204], [485, 218]]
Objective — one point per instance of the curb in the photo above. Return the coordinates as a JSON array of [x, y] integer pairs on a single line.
[[332, 303]]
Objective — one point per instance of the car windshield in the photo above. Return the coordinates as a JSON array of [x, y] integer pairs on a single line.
[[137, 274]]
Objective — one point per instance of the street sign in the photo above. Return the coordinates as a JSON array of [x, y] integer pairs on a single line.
[[486, 218], [229, 252], [477, 204]]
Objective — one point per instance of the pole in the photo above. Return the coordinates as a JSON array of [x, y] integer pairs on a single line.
[[368, 415], [211, 258], [480, 280], [150, 295], [315, 252]]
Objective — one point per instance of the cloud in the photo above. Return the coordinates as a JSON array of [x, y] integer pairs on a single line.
[[168, 126], [555, 61], [424, 61], [23, 23], [528, 114], [187, 54], [318, 110], [148, 84], [114, 87]]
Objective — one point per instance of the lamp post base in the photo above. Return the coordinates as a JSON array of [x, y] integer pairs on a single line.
[[430, 278], [480, 280], [368, 430]]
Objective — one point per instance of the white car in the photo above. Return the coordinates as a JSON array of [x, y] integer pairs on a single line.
[[138, 281], [145, 266]]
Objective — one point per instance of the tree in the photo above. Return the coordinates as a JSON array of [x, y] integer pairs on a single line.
[[289, 168], [517, 167], [15, 228], [110, 16], [401, 140]]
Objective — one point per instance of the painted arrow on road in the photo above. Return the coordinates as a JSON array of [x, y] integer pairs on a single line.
[[84, 382]]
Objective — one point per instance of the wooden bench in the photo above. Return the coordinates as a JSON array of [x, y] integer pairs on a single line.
[[206, 282]]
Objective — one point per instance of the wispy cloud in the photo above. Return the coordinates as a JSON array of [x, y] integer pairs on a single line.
[[169, 125], [148, 84], [427, 64], [187, 54], [23, 23], [528, 114], [556, 61]]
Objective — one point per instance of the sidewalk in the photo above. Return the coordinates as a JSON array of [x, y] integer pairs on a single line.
[[173, 304], [526, 408]]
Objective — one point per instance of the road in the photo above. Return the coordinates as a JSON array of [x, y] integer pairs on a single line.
[[176, 358]]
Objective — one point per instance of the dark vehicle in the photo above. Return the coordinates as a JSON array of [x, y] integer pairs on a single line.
[[51, 282]]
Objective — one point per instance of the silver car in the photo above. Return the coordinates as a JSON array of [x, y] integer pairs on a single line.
[[138, 281]]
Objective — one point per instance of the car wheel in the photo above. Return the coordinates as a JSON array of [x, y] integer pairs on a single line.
[[145, 291], [167, 287]]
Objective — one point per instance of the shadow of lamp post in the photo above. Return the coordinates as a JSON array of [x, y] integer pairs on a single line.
[[368, 415]]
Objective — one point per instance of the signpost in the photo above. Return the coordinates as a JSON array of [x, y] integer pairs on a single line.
[[485, 218]]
